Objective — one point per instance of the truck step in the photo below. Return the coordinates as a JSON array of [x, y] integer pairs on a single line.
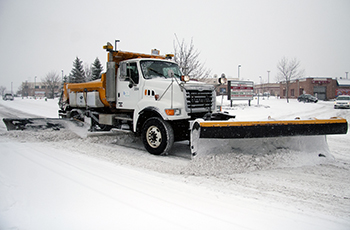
[[123, 118], [114, 130]]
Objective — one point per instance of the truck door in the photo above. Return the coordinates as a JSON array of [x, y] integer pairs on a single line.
[[128, 90]]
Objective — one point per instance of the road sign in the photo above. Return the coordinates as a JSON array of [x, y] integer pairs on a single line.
[[240, 90]]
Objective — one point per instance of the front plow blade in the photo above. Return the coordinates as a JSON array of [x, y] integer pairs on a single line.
[[265, 133], [38, 123]]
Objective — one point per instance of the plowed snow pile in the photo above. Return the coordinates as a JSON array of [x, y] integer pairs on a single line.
[[218, 158]]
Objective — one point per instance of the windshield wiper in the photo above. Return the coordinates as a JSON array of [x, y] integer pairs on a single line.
[[155, 71]]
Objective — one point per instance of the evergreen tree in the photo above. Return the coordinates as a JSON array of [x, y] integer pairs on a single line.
[[77, 73], [65, 79], [97, 68], [70, 78]]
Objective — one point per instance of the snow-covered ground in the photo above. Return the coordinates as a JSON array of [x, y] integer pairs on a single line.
[[59, 180]]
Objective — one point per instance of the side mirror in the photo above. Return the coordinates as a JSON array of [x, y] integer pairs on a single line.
[[222, 80], [123, 70], [171, 73]]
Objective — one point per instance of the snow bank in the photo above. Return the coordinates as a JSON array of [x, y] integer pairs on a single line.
[[218, 158], [38, 107], [279, 109], [225, 157]]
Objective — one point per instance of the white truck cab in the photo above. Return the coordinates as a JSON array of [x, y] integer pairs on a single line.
[[156, 84], [154, 88]]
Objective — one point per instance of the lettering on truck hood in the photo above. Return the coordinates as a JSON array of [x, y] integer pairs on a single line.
[[198, 86]]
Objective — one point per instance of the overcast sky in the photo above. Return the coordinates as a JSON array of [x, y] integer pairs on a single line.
[[40, 36]]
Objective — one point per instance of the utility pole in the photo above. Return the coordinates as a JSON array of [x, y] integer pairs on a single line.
[[259, 90], [34, 86], [268, 84], [62, 79], [239, 66]]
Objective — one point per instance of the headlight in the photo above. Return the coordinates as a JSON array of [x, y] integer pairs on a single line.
[[185, 78]]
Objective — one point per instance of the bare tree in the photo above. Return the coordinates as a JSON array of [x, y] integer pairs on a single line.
[[20, 90], [51, 82], [288, 70], [2, 90], [25, 89], [187, 57], [88, 71]]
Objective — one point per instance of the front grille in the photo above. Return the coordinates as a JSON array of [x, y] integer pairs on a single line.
[[199, 101]]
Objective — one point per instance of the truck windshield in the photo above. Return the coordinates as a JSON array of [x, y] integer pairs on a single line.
[[153, 69]]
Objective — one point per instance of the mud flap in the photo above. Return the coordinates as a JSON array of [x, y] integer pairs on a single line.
[[264, 136]]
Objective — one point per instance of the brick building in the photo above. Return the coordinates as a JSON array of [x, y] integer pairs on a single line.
[[38, 89], [272, 89], [343, 87], [324, 88]]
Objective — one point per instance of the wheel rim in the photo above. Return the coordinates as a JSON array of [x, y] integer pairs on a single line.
[[154, 136]]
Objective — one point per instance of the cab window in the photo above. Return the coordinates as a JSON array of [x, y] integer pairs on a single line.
[[132, 73]]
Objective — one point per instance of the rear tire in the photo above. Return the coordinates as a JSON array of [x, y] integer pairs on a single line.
[[157, 136]]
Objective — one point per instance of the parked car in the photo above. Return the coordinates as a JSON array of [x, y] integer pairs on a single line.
[[8, 96], [342, 101], [307, 98]]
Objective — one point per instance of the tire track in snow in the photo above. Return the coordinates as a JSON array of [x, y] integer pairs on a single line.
[[7, 112], [126, 177]]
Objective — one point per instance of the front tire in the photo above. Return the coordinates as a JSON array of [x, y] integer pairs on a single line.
[[157, 136]]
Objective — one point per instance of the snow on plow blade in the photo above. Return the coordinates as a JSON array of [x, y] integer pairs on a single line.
[[203, 133], [39, 123]]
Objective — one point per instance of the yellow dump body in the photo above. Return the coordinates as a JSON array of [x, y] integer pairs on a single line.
[[98, 85]]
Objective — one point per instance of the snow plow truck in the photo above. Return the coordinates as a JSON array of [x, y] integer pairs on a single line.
[[146, 94]]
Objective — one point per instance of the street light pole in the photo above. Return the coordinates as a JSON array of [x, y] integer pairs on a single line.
[[239, 66], [268, 83], [62, 78], [259, 90], [34, 85]]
